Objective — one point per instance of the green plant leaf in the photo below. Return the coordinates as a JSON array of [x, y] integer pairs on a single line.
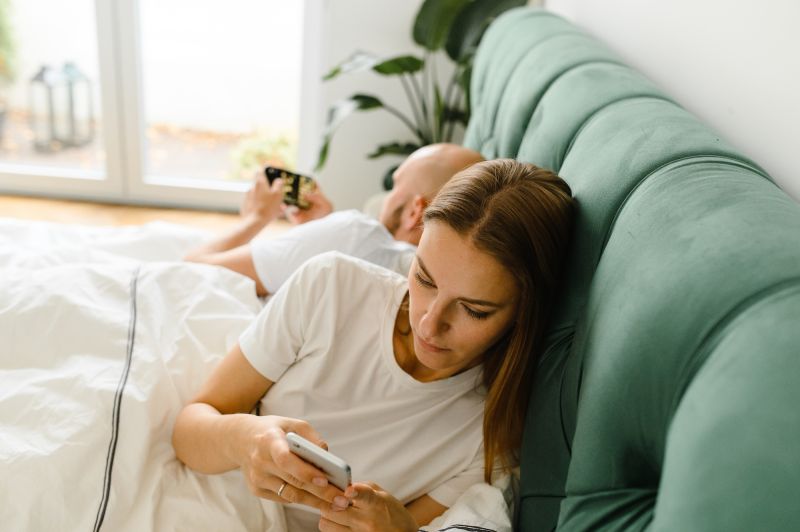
[[358, 62], [438, 118], [403, 64], [363, 61], [337, 114], [451, 114], [394, 148], [470, 23], [464, 77], [433, 22]]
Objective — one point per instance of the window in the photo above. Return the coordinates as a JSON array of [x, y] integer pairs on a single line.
[[147, 101]]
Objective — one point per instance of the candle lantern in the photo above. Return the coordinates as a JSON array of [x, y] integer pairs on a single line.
[[61, 108]]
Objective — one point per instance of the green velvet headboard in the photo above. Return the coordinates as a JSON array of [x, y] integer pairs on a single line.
[[668, 393]]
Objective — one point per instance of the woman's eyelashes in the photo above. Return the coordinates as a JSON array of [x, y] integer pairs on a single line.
[[472, 313], [422, 281], [476, 314]]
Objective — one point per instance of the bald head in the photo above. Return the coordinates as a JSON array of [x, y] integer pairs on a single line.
[[426, 170], [417, 181]]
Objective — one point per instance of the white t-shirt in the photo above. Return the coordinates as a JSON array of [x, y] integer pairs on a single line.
[[350, 232], [325, 340]]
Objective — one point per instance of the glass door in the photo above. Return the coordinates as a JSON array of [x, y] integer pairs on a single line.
[[146, 101], [219, 96], [53, 98]]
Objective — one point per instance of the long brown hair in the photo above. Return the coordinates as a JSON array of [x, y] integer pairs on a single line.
[[521, 215]]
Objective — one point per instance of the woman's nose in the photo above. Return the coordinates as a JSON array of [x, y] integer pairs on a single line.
[[434, 321]]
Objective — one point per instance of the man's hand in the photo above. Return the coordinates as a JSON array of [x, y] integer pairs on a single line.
[[370, 509], [320, 207], [263, 202]]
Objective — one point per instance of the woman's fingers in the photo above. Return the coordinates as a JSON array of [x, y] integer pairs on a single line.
[[326, 525], [304, 429], [372, 509], [363, 494], [271, 463], [290, 494], [297, 471]]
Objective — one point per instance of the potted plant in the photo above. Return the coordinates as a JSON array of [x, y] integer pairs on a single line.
[[455, 26], [7, 72]]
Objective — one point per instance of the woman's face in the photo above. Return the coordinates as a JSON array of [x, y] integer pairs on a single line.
[[461, 301]]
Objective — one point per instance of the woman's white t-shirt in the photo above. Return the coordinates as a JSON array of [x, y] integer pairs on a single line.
[[325, 340]]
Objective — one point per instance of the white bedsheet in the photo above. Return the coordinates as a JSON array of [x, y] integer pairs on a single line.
[[100, 349], [104, 336]]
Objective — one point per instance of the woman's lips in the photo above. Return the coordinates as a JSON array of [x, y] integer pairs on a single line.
[[429, 346]]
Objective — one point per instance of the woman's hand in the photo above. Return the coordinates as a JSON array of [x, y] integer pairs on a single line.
[[371, 509], [268, 464]]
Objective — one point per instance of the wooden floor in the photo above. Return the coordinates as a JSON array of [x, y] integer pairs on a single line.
[[78, 212]]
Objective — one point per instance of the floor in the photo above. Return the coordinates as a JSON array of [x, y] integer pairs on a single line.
[[79, 212]]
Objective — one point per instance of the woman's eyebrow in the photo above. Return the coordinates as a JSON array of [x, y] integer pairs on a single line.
[[479, 302]]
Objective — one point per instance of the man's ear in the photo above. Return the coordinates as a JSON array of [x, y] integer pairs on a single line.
[[418, 206]]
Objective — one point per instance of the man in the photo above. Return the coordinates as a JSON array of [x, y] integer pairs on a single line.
[[389, 241]]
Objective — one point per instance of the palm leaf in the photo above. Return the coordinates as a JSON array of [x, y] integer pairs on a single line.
[[470, 23], [363, 61], [404, 64], [434, 20], [394, 148], [338, 113], [358, 62]]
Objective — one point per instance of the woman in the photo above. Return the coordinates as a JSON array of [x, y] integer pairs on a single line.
[[419, 383]]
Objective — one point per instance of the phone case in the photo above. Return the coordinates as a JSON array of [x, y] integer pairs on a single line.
[[295, 186]]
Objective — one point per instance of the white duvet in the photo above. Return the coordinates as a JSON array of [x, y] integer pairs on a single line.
[[104, 336]]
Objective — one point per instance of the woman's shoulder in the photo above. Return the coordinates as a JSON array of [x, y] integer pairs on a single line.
[[335, 271]]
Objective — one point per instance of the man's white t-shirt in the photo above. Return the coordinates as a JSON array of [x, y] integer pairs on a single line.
[[325, 340], [350, 232]]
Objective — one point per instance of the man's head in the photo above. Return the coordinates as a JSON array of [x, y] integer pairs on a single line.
[[416, 182]]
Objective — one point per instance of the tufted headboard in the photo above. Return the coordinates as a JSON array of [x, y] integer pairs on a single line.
[[667, 395]]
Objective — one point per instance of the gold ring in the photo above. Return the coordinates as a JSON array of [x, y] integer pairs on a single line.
[[280, 490]]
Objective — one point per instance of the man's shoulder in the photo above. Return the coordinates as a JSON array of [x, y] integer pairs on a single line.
[[350, 216]]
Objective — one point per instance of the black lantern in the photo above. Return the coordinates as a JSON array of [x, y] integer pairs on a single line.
[[61, 108]]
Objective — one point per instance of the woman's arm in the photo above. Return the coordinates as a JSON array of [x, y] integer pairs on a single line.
[[210, 432], [214, 434], [425, 509]]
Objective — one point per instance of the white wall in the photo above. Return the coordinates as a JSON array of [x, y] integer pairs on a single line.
[[338, 28], [733, 63]]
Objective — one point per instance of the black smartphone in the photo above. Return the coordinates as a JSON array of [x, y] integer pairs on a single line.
[[295, 186]]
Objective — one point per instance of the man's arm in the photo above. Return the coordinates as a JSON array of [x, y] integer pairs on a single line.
[[261, 205]]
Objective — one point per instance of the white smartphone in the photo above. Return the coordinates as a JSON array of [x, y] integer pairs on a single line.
[[336, 470]]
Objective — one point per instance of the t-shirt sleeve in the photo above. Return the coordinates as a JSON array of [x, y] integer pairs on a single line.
[[276, 259], [450, 490], [275, 339]]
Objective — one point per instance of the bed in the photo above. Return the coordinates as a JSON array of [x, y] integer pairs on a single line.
[[106, 335]]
